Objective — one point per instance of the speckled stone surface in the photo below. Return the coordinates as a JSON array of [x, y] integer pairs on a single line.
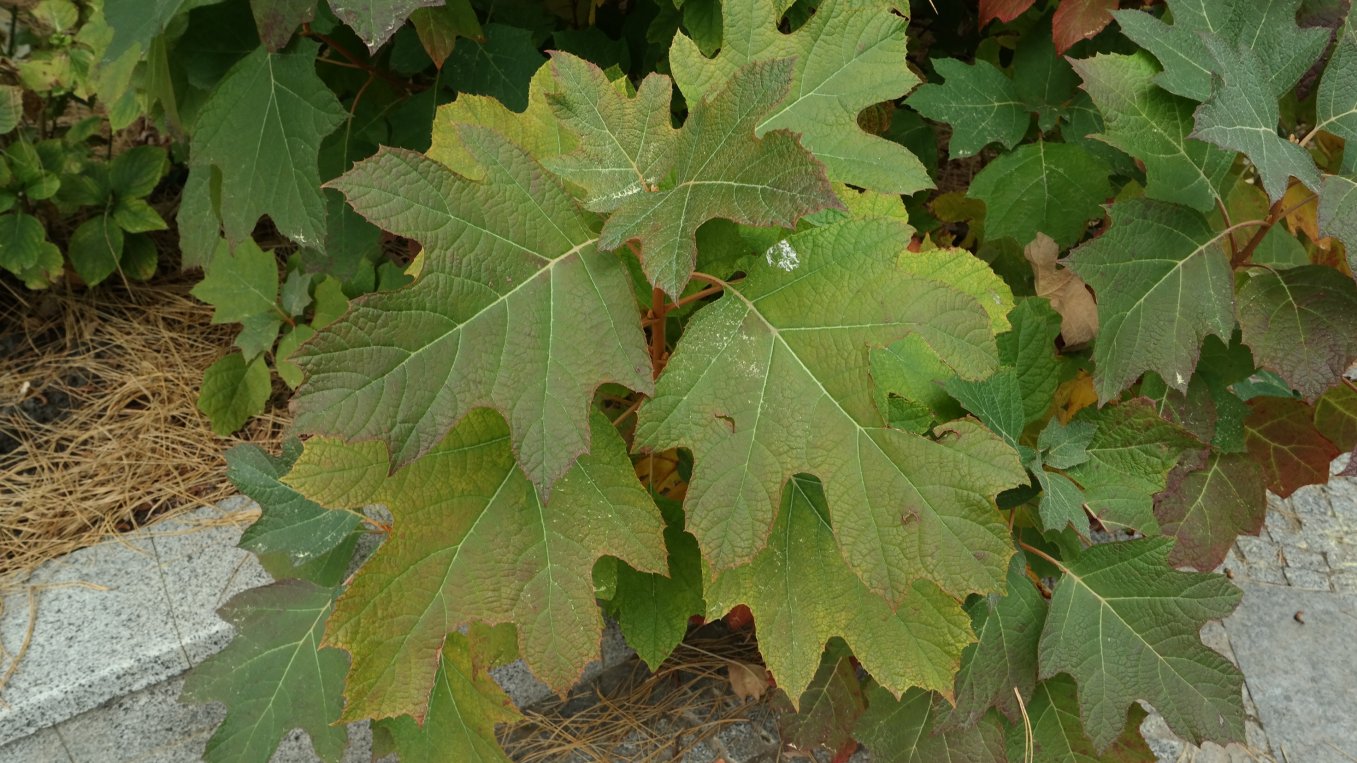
[[108, 623]]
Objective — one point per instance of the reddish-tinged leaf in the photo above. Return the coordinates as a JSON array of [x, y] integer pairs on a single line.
[[830, 707], [1281, 436], [1301, 323], [1004, 10], [1077, 20], [1210, 500]]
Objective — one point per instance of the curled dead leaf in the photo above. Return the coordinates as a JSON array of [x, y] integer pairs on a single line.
[[747, 680], [1067, 292]]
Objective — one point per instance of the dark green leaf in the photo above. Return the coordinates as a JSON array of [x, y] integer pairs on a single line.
[[274, 676], [1163, 284], [500, 67], [1120, 604], [1300, 323], [1051, 188], [982, 105]]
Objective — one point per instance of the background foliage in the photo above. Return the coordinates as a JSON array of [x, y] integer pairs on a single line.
[[945, 340]]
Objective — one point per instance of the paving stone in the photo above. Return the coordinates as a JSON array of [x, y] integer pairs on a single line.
[[45, 746], [1304, 558], [88, 644], [1310, 501], [1257, 550], [1307, 579], [1264, 573], [1344, 581], [1300, 674]]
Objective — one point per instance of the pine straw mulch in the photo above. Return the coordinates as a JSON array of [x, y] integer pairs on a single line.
[[99, 429], [631, 713]]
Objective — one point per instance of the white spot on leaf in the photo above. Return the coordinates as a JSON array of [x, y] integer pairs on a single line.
[[782, 255]]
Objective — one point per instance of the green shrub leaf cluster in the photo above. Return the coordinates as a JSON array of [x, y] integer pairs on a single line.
[[660, 309]]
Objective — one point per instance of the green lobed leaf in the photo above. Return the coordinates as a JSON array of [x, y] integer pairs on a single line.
[[537, 130], [1266, 28], [909, 730], [464, 707], [761, 389], [995, 400], [1129, 457], [288, 522], [1210, 499], [717, 168], [1120, 604], [501, 66], [1242, 115], [376, 20], [1057, 734], [274, 676], [981, 104], [1051, 188], [1163, 284], [136, 23], [1300, 323], [465, 512], [1004, 658], [240, 283], [625, 143], [1281, 437], [916, 643], [530, 286], [1336, 101], [1153, 125], [652, 609], [233, 391], [847, 57], [1029, 348], [1043, 79], [261, 129]]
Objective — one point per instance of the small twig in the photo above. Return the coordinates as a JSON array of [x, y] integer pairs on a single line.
[[630, 410], [1038, 552], [707, 292], [348, 55], [1276, 213], [1225, 217]]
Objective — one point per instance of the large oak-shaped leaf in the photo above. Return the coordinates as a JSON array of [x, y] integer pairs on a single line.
[[1242, 115], [717, 168], [1124, 624], [847, 57], [1301, 323], [516, 310], [261, 128], [980, 102], [473, 542], [1267, 29], [1163, 284], [773, 380], [376, 20], [1210, 500], [918, 643], [274, 676], [624, 143], [1152, 125]]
